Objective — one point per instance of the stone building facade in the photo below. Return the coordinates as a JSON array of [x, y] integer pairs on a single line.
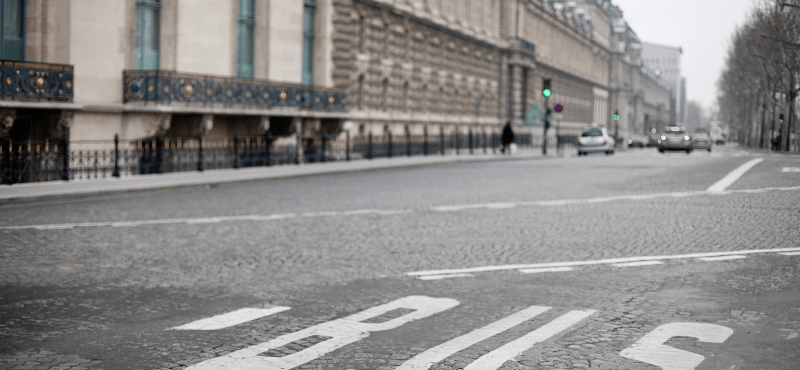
[[139, 68]]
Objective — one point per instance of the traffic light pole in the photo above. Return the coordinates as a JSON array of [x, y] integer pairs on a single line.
[[546, 92], [546, 125]]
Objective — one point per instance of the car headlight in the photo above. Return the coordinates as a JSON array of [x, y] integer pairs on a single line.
[[686, 137], [630, 141], [663, 137], [659, 141]]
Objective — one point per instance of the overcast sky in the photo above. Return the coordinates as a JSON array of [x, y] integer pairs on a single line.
[[702, 27]]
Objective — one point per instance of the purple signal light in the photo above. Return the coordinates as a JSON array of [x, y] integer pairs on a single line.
[[558, 108]]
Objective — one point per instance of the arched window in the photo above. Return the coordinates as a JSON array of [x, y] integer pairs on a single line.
[[385, 94], [361, 92]]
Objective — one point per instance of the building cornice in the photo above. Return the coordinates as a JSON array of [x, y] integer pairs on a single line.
[[40, 105]]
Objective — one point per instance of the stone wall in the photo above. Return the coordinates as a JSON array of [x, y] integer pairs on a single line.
[[402, 69]]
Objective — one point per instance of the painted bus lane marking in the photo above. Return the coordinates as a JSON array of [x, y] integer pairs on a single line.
[[232, 318], [651, 349], [336, 334]]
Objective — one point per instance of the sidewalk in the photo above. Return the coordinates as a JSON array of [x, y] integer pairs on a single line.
[[68, 189]]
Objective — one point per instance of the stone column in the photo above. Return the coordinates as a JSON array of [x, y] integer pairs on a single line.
[[516, 94], [64, 123], [206, 123], [297, 125], [263, 125], [7, 117]]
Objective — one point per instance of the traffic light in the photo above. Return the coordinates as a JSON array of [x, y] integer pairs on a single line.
[[780, 118], [616, 115], [546, 90]]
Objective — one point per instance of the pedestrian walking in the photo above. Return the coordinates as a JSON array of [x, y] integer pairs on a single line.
[[508, 138]]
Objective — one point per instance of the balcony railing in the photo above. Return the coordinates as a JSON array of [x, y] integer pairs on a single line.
[[166, 87], [36, 81]]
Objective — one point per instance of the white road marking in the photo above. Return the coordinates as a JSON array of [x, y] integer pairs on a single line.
[[545, 269], [595, 262], [451, 208], [341, 332], [562, 202], [734, 175], [638, 263], [790, 254], [231, 318], [424, 360], [791, 169], [651, 349], [207, 220], [721, 258], [495, 359], [440, 277]]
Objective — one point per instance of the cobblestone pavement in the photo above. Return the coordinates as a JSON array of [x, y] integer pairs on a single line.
[[104, 297]]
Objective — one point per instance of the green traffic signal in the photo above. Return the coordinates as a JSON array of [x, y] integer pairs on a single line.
[[546, 93], [616, 117]]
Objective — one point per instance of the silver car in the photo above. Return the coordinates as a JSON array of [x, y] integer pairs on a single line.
[[595, 140], [675, 138], [701, 140]]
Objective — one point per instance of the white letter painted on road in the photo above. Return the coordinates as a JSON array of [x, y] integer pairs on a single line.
[[426, 359], [493, 360], [651, 349], [229, 319], [341, 332]]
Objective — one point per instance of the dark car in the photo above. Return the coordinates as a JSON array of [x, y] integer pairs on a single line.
[[637, 141], [675, 138]]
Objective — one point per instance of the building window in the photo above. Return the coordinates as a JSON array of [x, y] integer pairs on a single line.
[[361, 92], [13, 18], [309, 8], [247, 24], [148, 15], [361, 30]]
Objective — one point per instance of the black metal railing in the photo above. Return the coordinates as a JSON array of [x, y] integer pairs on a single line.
[[62, 159], [39, 81], [168, 87]]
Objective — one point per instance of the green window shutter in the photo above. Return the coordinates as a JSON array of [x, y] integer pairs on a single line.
[[309, 8], [245, 54], [13, 29], [148, 33]]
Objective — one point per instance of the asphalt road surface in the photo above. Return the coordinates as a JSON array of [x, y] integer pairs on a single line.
[[633, 261]]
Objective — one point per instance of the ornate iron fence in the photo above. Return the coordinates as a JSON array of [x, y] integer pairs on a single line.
[[89, 160], [28, 80], [168, 87]]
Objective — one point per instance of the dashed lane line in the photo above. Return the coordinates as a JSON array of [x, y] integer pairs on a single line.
[[446, 276], [448, 208], [546, 269], [790, 254], [734, 175], [608, 261], [722, 258], [633, 197], [791, 169], [207, 220], [232, 318], [638, 263]]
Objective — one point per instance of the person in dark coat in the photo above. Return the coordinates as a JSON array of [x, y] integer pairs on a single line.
[[508, 138]]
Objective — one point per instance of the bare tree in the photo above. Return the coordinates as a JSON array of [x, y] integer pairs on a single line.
[[761, 78]]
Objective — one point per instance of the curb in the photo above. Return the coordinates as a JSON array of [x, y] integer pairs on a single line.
[[241, 176]]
